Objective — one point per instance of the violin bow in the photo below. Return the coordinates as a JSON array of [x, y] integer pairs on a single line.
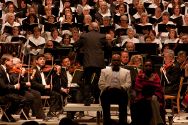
[[22, 59]]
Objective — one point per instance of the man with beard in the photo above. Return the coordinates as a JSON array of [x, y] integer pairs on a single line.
[[114, 83]]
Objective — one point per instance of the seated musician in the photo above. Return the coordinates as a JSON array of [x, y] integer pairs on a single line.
[[10, 91], [44, 85], [22, 75], [170, 74], [148, 90], [62, 84]]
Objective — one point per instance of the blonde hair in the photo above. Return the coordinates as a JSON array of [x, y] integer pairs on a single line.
[[134, 59]]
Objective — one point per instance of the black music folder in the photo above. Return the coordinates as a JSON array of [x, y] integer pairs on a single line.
[[29, 27], [147, 48], [178, 20], [58, 53], [153, 20], [117, 50], [105, 29], [150, 11], [36, 46], [18, 39], [49, 26], [181, 47], [141, 29], [165, 27], [182, 29], [156, 59], [8, 29], [56, 44], [120, 31], [83, 28], [137, 20], [146, 4], [68, 26]]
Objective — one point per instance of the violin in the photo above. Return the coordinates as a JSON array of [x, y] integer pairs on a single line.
[[21, 70]]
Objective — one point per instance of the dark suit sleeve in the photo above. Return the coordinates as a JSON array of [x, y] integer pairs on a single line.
[[173, 75], [105, 44], [56, 82], [23, 79], [80, 42], [3, 84]]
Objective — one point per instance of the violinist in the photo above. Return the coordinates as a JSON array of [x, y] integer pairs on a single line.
[[21, 75], [9, 91], [62, 84], [170, 73], [43, 85]]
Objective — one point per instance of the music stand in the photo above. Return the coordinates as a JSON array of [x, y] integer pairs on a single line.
[[11, 48], [117, 50], [147, 48], [58, 53], [181, 47]]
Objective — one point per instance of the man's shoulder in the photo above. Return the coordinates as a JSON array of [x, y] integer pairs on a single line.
[[124, 70], [107, 68]]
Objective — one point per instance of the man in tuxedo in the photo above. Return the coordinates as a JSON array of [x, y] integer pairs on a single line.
[[20, 75], [93, 45], [114, 83], [43, 85], [9, 90], [170, 73]]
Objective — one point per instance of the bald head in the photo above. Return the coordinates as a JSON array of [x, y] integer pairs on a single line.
[[115, 57], [94, 26]]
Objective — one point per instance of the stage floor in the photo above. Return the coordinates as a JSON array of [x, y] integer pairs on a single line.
[[89, 119]]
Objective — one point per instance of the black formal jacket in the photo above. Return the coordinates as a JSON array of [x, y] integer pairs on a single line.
[[60, 81], [5, 86], [173, 74], [36, 82], [92, 45]]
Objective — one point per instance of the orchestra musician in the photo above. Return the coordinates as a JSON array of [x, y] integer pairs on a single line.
[[170, 74], [44, 85], [22, 75], [62, 83], [10, 91]]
